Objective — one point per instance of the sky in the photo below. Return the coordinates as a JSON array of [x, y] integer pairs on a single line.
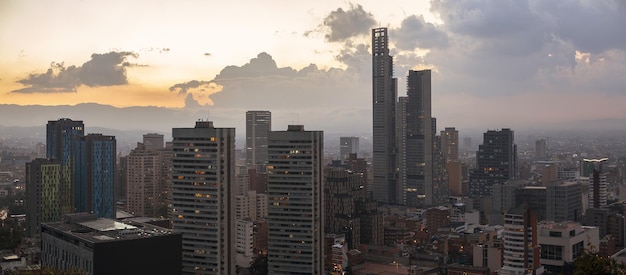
[[496, 63]]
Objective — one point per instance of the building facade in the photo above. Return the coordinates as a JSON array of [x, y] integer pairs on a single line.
[[386, 188], [43, 204], [60, 138], [295, 212], [496, 162], [203, 169], [258, 125], [347, 146], [94, 173]]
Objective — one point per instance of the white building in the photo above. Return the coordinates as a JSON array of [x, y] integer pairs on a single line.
[[521, 250], [245, 243], [563, 242]]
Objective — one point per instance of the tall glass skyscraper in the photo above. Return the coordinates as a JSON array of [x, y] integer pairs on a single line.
[[384, 94], [295, 211], [94, 171], [203, 184], [60, 137]]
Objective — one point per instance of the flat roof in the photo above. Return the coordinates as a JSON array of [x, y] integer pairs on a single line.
[[105, 225]]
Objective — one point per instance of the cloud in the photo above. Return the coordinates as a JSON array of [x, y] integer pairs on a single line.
[[344, 24], [107, 69], [414, 32], [198, 92]]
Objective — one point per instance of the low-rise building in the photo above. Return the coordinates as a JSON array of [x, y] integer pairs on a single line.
[[563, 242], [95, 246]]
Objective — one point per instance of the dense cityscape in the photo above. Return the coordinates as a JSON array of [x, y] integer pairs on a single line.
[[414, 198]]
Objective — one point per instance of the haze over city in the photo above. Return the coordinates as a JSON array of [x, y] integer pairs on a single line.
[[159, 65]]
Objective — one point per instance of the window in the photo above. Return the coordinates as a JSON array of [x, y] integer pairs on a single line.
[[555, 234], [551, 252]]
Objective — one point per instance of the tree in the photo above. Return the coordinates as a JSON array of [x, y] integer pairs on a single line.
[[589, 262], [259, 265]]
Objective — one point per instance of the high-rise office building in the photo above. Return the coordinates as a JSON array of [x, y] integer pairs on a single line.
[[94, 172], [203, 172], [541, 149], [43, 179], [295, 212], [450, 143], [347, 146], [258, 125], [60, 137], [386, 188], [496, 162], [422, 165]]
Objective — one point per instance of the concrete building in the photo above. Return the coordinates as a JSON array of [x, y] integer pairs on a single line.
[[43, 204], [91, 245], [203, 169], [488, 254], [521, 248], [496, 162], [386, 188], [295, 192], [564, 202], [342, 191], [258, 125], [245, 243], [541, 149], [347, 146], [94, 174], [60, 137], [562, 242], [450, 144], [153, 141], [143, 180]]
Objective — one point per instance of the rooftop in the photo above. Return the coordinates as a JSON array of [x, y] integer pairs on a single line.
[[93, 230]]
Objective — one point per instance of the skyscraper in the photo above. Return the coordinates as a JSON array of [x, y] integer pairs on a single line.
[[347, 146], [384, 93], [258, 125], [43, 179], [143, 177], [496, 162], [450, 144], [421, 164], [418, 145], [203, 169], [60, 137], [295, 212], [94, 172]]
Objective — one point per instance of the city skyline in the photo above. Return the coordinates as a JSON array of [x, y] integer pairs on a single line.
[[483, 62]]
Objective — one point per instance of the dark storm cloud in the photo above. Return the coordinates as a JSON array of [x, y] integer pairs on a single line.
[[592, 26], [107, 69], [414, 32], [344, 24], [510, 46]]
